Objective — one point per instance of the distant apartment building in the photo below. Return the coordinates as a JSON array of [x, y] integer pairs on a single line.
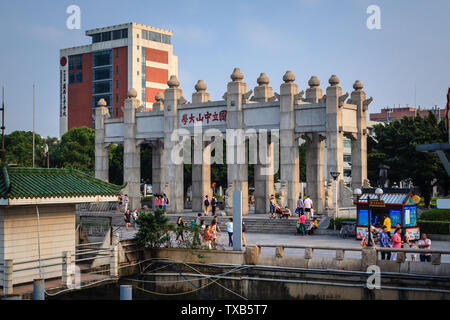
[[120, 57], [389, 114]]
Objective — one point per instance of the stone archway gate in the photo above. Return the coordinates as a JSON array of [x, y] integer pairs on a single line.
[[289, 115]]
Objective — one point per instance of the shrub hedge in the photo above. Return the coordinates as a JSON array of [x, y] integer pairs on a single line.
[[434, 227], [339, 222], [436, 215]]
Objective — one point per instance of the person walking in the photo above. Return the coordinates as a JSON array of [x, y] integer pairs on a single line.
[[206, 204], [384, 243], [387, 223], [308, 205], [165, 203], [180, 226], [213, 227], [299, 206], [127, 218], [213, 205], [302, 220], [272, 206], [396, 242], [230, 232], [126, 201], [424, 243], [135, 216]]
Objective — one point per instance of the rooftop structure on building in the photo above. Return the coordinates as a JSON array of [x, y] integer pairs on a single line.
[[389, 114], [118, 57]]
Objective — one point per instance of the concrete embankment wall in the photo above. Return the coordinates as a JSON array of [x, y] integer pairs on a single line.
[[282, 277]]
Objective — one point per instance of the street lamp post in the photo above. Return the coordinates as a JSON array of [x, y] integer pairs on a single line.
[[335, 175]]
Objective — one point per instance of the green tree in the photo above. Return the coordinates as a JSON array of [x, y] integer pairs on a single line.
[[116, 164], [77, 149], [19, 149], [395, 146], [154, 229]]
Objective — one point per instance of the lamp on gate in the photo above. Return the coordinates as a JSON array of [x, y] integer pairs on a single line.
[[357, 193]]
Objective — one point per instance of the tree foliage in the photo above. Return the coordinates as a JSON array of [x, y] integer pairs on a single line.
[[153, 229], [395, 146], [77, 149], [19, 149]]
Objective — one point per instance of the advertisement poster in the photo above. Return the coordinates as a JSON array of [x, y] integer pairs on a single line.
[[395, 216], [363, 217], [410, 216], [361, 231], [413, 233]]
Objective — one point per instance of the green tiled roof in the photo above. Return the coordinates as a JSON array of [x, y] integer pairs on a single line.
[[16, 183]]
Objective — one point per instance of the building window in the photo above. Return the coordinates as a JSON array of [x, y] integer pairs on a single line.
[[347, 158], [117, 52], [137, 72], [124, 33], [155, 36], [96, 37], [144, 34], [117, 112], [71, 62], [166, 38], [117, 98], [117, 34], [102, 73], [102, 58], [106, 36], [117, 69], [79, 77], [102, 87], [347, 143], [71, 78], [117, 84], [79, 62], [347, 173], [137, 59]]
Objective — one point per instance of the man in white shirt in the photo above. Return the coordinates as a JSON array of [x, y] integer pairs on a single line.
[[308, 204], [424, 243]]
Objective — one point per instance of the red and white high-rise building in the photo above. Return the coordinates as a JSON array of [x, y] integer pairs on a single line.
[[120, 57]]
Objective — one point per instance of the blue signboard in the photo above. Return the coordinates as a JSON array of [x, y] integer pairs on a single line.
[[396, 217], [409, 217], [363, 217]]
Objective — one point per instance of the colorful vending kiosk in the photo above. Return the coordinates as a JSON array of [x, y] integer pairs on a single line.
[[400, 205]]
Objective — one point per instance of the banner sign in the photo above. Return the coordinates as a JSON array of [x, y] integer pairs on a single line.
[[377, 203]]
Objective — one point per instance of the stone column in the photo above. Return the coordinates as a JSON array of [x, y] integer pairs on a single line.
[[334, 134], [157, 165], [315, 187], [173, 168], [237, 170], [289, 154], [201, 166], [263, 182], [131, 151], [101, 149], [359, 145]]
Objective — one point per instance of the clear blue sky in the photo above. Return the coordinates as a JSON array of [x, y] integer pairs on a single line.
[[309, 37]]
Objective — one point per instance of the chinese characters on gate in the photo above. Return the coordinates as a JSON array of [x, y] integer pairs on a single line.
[[206, 118]]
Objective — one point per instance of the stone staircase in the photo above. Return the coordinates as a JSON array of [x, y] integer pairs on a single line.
[[253, 223]]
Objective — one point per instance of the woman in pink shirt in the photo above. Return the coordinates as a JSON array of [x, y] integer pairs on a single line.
[[302, 220], [396, 242]]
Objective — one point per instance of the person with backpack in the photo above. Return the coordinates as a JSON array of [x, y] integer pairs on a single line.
[[206, 205], [213, 205]]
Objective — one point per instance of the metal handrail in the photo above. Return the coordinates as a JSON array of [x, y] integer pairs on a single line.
[[297, 246], [300, 246], [37, 260], [88, 244]]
